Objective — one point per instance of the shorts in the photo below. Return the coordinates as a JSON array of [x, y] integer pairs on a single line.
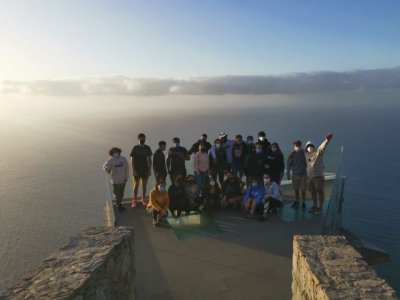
[[316, 184], [144, 178], [299, 182]]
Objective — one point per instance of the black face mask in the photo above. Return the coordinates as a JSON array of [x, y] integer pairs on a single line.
[[142, 141]]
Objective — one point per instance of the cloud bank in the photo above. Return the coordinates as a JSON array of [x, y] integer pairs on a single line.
[[296, 83]]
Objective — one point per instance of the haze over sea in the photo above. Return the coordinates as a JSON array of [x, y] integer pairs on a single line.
[[52, 151]]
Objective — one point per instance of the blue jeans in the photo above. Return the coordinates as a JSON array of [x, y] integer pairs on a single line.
[[201, 179]]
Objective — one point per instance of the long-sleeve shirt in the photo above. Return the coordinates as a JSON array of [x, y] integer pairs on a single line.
[[272, 189], [297, 163], [227, 146], [118, 168], [315, 162], [255, 192], [201, 162], [158, 201], [276, 163]]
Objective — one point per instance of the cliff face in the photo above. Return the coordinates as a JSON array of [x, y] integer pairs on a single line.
[[99, 263]]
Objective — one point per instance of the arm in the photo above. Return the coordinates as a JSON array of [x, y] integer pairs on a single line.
[[196, 163], [212, 153], [126, 166], [169, 162], [322, 147], [107, 166], [273, 191]]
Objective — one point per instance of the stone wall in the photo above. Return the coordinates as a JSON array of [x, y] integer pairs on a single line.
[[99, 263], [327, 267]]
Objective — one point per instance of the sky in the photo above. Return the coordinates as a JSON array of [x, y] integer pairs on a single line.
[[74, 39]]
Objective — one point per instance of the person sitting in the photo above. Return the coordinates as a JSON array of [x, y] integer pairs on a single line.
[[193, 193], [272, 196], [177, 195], [253, 198], [212, 196], [158, 202], [231, 191]]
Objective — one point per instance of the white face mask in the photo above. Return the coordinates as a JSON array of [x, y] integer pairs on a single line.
[[115, 154], [217, 145], [212, 182], [262, 138], [297, 149], [310, 149], [266, 181]]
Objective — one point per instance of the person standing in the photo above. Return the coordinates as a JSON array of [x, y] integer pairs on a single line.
[[238, 153], [177, 155], [218, 161], [257, 163], [262, 138], [315, 173], [118, 169], [159, 166], [250, 149], [297, 164], [227, 146], [141, 166], [196, 146], [201, 166], [275, 163]]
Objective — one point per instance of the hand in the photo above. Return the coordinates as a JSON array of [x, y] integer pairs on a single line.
[[329, 136]]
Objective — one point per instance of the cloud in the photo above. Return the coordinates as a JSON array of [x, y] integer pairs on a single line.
[[296, 83]]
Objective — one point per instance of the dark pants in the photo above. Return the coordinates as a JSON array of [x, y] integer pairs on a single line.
[[218, 172], [118, 190], [179, 207], [274, 203], [155, 214], [174, 172], [237, 169]]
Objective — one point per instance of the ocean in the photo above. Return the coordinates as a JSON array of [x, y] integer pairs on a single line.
[[53, 148]]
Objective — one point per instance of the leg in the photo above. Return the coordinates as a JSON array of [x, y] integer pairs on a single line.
[[136, 182], [144, 187], [155, 217]]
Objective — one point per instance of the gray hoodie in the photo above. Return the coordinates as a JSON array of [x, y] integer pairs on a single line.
[[315, 163], [118, 169], [297, 163]]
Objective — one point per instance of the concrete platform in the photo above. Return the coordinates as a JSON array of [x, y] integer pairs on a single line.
[[241, 259]]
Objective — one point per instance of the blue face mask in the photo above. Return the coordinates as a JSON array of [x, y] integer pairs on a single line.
[[161, 189]]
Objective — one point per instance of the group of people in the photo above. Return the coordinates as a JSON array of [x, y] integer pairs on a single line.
[[219, 169]]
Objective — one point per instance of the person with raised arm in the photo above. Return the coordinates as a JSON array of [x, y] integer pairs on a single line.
[[315, 173]]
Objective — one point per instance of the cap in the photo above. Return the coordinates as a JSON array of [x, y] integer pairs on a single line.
[[222, 135]]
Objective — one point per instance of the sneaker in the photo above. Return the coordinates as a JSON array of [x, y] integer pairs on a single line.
[[303, 206], [133, 204], [155, 223], [311, 210], [317, 211], [295, 204], [144, 203], [121, 208]]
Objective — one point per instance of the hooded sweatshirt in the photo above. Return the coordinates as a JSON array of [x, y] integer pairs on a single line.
[[118, 169], [315, 162]]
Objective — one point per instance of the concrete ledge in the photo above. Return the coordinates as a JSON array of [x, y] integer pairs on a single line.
[[96, 264], [327, 267]]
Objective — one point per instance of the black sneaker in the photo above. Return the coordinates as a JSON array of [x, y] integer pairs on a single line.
[[295, 205], [121, 208]]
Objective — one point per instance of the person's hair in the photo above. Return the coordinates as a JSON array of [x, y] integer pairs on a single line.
[[258, 144], [275, 144], [190, 176], [204, 135], [238, 136], [297, 143], [261, 133], [160, 143], [176, 140], [176, 175], [160, 180], [114, 149], [141, 135]]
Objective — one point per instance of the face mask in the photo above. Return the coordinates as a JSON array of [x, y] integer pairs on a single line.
[[212, 182], [258, 150], [218, 145], [310, 149], [267, 180], [176, 144], [297, 149], [274, 149], [262, 138], [254, 184], [142, 141], [115, 154], [161, 188], [249, 142]]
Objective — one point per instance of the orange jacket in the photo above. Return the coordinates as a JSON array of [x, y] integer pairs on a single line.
[[158, 201]]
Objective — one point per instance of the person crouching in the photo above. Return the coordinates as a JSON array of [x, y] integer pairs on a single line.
[[158, 202]]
